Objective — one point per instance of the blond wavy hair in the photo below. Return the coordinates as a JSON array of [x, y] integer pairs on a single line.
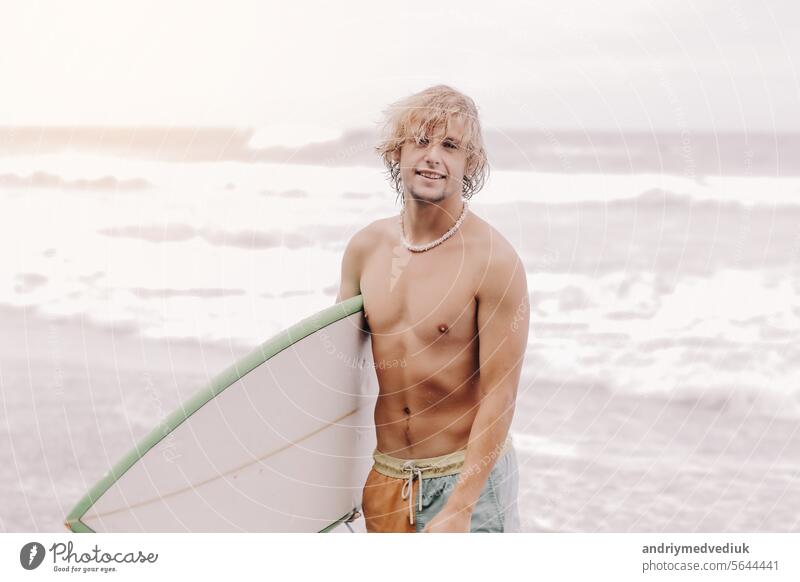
[[418, 116]]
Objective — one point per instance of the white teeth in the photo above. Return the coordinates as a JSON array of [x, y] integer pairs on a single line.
[[431, 176]]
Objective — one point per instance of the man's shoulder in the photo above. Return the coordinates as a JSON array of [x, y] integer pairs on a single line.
[[498, 259], [356, 253], [369, 237], [495, 249]]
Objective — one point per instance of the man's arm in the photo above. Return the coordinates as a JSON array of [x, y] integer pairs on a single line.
[[503, 317], [352, 263]]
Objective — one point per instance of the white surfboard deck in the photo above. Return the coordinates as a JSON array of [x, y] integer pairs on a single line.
[[281, 441]]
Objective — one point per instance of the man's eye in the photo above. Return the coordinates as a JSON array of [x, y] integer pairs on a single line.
[[422, 141], [451, 145]]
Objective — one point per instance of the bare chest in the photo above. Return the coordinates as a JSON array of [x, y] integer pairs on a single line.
[[426, 297]]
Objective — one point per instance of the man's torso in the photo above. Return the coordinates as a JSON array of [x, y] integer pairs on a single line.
[[421, 311]]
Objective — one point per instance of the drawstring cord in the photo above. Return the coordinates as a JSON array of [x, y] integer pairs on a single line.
[[408, 487], [444, 462]]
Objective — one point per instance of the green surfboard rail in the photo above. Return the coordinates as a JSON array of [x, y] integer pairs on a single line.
[[218, 384]]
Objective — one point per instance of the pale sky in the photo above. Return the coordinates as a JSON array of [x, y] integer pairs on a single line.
[[316, 68]]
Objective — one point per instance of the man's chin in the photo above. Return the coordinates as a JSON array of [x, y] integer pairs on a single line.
[[428, 196]]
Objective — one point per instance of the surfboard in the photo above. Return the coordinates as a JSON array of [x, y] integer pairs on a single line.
[[280, 441]]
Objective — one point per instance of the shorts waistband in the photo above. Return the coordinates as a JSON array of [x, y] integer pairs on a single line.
[[441, 466]]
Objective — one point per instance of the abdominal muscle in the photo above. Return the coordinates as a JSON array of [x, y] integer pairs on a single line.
[[427, 403]]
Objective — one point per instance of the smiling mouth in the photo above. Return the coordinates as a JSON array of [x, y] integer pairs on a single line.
[[432, 176]]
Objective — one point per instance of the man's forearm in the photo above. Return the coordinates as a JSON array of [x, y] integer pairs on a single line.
[[486, 440]]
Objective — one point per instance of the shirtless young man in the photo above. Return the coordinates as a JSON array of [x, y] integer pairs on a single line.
[[455, 316]]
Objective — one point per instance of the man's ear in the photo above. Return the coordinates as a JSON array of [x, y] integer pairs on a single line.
[[396, 156]]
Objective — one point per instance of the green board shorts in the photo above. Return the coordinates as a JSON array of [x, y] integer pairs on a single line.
[[496, 509], [402, 495]]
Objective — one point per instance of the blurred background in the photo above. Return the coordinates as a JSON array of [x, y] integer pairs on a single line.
[[178, 183]]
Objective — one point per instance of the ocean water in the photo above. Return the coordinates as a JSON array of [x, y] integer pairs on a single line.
[[660, 390]]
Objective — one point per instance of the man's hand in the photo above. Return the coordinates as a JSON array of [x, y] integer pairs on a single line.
[[450, 520]]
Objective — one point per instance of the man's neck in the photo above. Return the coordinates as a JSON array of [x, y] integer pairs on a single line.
[[426, 221]]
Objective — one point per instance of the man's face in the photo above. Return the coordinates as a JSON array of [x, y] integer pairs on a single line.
[[441, 155]]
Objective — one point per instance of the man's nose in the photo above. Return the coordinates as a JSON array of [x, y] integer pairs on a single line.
[[433, 153]]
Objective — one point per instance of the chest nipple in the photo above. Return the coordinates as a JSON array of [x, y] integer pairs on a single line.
[[443, 327]]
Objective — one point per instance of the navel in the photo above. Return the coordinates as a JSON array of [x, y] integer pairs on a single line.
[[407, 410]]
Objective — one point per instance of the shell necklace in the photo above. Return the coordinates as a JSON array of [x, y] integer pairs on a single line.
[[427, 246]]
